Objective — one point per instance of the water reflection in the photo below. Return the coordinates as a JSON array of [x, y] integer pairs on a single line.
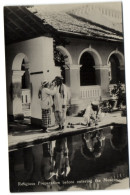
[[93, 144], [92, 160], [48, 161], [62, 166], [55, 160], [118, 139]]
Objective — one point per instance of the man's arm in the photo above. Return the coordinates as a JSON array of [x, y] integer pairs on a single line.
[[50, 91]]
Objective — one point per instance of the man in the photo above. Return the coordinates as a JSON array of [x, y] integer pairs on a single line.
[[45, 94], [92, 112], [60, 102]]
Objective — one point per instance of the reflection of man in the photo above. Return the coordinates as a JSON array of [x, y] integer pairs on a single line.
[[55, 160], [93, 144], [62, 167], [60, 102], [48, 161]]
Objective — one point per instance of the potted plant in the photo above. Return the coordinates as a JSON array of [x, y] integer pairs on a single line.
[[119, 95]]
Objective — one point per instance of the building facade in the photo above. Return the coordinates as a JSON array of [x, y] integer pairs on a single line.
[[93, 57]]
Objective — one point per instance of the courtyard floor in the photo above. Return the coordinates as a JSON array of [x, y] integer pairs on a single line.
[[23, 135]]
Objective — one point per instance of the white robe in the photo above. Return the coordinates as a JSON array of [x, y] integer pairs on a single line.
[[60, 99]]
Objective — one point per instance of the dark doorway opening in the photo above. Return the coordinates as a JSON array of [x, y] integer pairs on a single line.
[[26, 91], [115, 71], [87, 71], [25, 77]]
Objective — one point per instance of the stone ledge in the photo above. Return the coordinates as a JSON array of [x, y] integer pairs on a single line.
[[28, 138]]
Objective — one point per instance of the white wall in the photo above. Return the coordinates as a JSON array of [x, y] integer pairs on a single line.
[[39, 52]]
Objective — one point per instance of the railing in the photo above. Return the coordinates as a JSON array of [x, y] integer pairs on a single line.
[[25, 96], [93, 91]]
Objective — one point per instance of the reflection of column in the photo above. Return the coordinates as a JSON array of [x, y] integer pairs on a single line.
[[122, 73], [17, 94], [72, 74], [102, 79]]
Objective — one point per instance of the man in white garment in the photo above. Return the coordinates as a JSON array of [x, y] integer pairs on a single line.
[[60, 103]]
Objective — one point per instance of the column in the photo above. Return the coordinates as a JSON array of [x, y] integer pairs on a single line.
[[102, 79], [17, 94], [72, 74]]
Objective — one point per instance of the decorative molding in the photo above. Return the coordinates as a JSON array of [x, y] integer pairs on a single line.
[[119, 55], [105, 67], [93, 52], [72, 67], [18, 73], [17, 62], [26, 65]]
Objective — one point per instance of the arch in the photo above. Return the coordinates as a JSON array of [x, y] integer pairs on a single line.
[[115, 62], [17, 62], [94, 53], [119, 55], [20, 91], [65, 52]]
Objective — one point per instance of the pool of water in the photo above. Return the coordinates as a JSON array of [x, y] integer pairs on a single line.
[[89, 161]]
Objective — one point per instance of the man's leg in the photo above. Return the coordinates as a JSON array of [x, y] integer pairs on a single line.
[[49, 117], [44, 120], [63, 118], [58, 118]]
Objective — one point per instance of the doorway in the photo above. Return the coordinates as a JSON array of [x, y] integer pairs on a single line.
[[87, 71], [114, 69], [26, 90]]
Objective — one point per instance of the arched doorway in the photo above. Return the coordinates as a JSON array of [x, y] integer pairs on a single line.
[[90, 88], [87, 71], [21, 87], [114, 71], [116, 63]]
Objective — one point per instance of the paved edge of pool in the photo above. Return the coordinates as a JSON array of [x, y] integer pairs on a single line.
[[43, 137]]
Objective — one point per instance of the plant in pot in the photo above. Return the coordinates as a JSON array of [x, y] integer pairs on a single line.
[[119, 95]]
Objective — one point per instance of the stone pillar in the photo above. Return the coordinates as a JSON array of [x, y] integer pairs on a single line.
[[102, 79], [17, 94], [122, 73], [36, 79], [72, 74]]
